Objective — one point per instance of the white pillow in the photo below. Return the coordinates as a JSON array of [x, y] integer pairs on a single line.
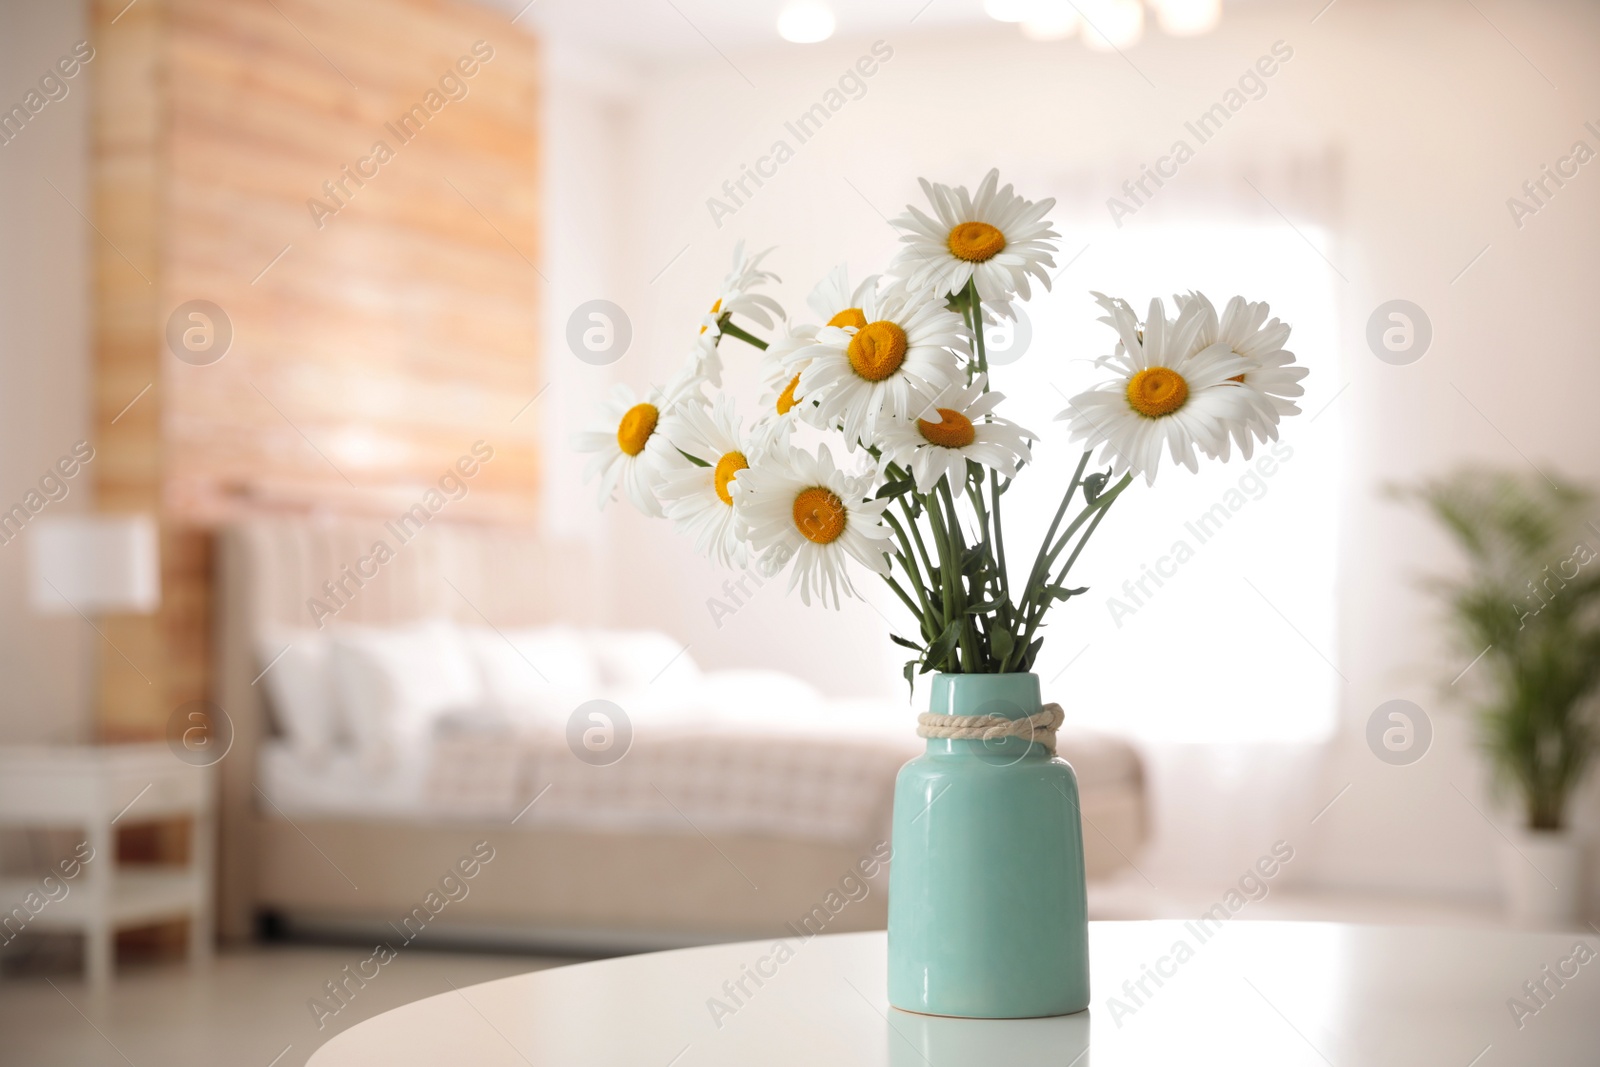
[[634, 659], [300, 690], [393, 683], [541, 671]]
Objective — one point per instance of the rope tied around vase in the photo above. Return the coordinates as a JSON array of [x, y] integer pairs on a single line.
[[1040, 727]]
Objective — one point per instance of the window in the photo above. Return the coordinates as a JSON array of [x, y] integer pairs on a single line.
[[1210, 614]]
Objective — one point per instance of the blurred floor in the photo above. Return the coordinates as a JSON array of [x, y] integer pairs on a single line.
[[244, 1010]]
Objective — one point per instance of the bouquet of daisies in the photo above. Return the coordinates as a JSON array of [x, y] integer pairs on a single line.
[[881, 443]]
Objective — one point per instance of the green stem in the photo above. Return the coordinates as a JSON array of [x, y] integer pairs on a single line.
[[969, 652], [731, 330], [1100, 513], [916, 534], [1039, 599], [901, 593], [908, 561], [897, 473], [976, 325], [941, 540], [1040, 568], [999, 535]]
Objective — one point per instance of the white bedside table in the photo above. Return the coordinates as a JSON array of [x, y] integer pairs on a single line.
[[93, 789], [1251, 994]]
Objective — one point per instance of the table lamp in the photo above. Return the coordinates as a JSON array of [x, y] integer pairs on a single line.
[[86, 564]]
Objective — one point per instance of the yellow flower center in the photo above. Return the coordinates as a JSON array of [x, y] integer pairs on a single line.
[[787, 399], [877, 350], [633, 433], [849, 317], [729, 465], [954, 430], [716, 307], [1157, 391], [819, 514], [975, 241]]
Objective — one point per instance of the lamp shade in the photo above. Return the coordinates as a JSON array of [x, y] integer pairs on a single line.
[[94, 563]]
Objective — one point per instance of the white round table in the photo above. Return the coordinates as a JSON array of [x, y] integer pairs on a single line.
[[1271, 993]]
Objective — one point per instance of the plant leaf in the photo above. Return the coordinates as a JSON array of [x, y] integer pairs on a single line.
[[944, 644], [1094, 485]]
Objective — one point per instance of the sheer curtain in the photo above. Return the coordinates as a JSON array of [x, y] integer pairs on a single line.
[[1208, 632]]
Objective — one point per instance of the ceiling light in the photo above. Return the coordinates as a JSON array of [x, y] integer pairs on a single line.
[[1185, 18], [1110, 25], [1010, 10], [805, 22], [1050, 21]]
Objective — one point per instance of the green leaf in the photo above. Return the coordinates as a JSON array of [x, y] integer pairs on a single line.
[[890, 490], [696, 460], [903, 643], [1094, 485], [1001, 642], [944, 644]]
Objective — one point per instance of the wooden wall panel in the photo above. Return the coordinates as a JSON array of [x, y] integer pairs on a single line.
[[126, 181], [375, 350]]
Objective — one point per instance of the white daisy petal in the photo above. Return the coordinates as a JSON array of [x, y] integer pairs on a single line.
[[994, 239], [736, 296], [797, 509], [698, 499], [1167, 394], [932, 448], [889, 360], [1270, 377], [633, 453]]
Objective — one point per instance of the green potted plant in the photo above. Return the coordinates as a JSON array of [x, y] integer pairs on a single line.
[[1526, 613]]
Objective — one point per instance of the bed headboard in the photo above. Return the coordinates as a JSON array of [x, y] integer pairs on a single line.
[[275, 573]]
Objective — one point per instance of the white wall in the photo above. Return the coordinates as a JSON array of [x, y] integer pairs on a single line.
[[1433, 120], [44, 357]]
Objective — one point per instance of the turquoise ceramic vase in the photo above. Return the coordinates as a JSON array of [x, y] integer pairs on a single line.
[[987, 909]]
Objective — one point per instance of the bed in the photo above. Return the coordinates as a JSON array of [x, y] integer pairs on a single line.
[[459, 707]]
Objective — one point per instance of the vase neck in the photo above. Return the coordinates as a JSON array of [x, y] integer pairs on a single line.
[[1010, 696]]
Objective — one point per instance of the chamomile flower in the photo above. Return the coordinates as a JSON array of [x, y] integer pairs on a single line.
[[737, 294], [699, 500], [632, 451], [893, 364], [835, 303], [1270, 376], [705, 359], [965, 429], [996, 239], [1164, 395], [780, 371], [799, 509]]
